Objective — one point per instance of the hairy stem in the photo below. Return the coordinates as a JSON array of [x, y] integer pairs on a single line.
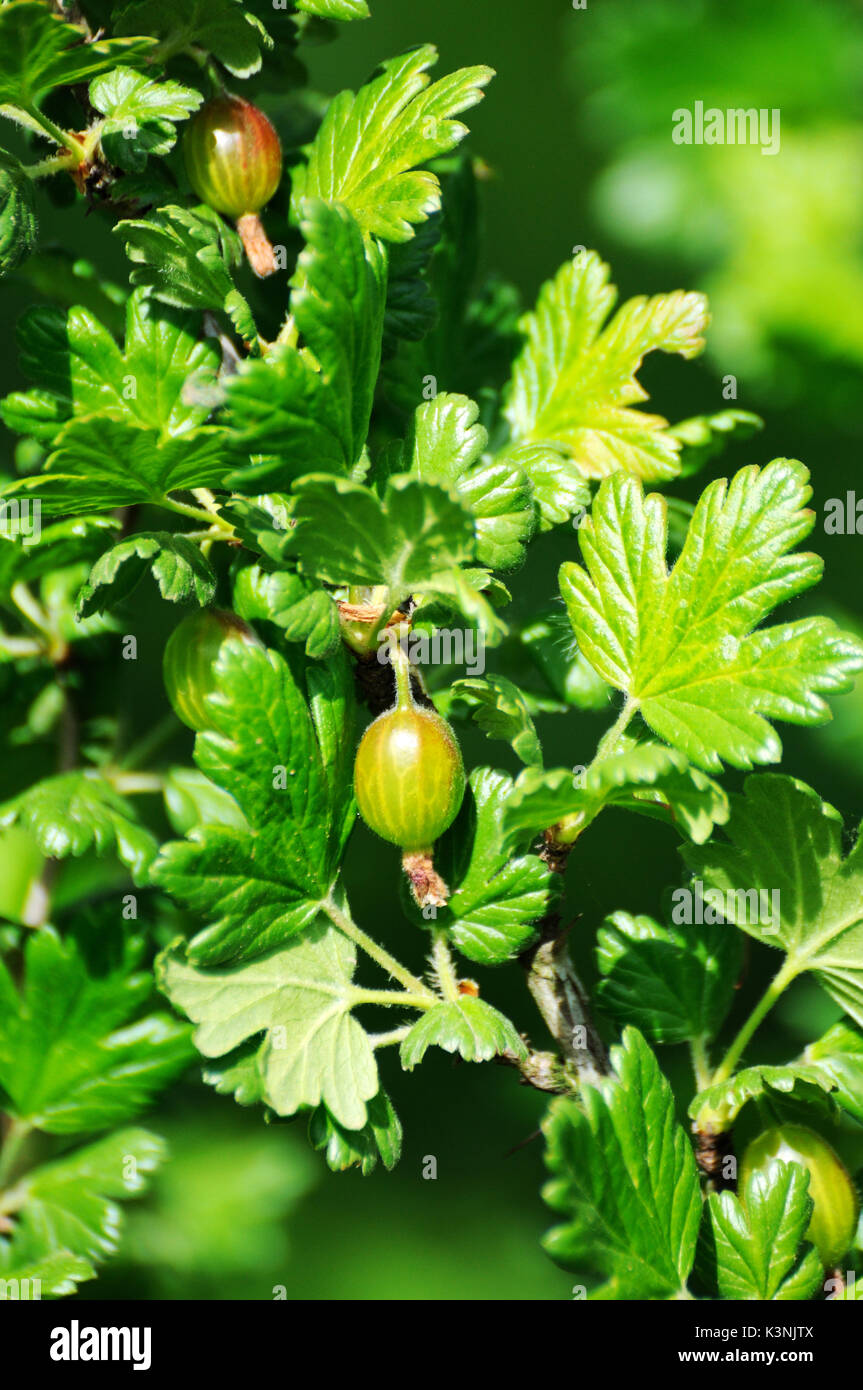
[[402, 672], [396, 998], [198, 514], [53, 164], [609, 739], [14, 1139], [544, 1071], [775, 989], [30, 607], [346, 924], [64, 138], [390, 1039], [213, 533], [551, 978], [443, 966], [700, 1063], [133, 783], [149, 743], [207, 500], [560, 838]]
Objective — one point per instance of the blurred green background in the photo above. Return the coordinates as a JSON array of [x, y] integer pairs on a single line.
[[576, 131]]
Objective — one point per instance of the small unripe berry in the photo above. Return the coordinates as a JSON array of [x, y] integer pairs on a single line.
[[834, 1216], [234, 162], [409, 782], [190, 658], [233, 156], [409, 777]]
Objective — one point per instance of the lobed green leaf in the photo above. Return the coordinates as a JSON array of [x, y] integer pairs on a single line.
[[681, 645]]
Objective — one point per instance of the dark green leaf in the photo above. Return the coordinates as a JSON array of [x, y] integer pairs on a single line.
[[304, 612], [17, 213], [75, 1052], [675, 984], [288, 767], [63, 544], [550, 642], [179, 568], [140, 115], [306, 408], [717, 1106], [184, 257], [786, 850], [758, 1241], [72, 1203], [39, 51], [445, 446], [79, 370], [381, 1137], [559, 490], [838, 1056], [104, 463], [495, 898], [625, 1182], [79, 811], [411, 307], [222, 27], [344, 534], [500, 710], [644, 777]]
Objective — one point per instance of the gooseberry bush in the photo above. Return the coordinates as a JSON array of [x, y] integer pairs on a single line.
[[328, 442]]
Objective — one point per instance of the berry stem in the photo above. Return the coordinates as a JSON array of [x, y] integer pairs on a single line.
[[362, 615], [402, 673], [427, 886]]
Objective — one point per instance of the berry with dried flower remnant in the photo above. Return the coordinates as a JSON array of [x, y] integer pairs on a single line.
[[234, 162], [409, 783]]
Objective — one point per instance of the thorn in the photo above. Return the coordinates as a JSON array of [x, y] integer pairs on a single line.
[[523, 1143]]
